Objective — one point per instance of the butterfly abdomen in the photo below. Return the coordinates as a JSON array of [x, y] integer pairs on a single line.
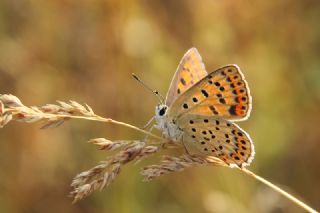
[[169, 129]]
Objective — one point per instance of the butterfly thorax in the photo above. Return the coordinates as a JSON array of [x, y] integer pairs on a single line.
[[168, 127]]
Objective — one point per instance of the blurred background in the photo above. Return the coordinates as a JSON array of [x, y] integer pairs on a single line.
[[86, 51]]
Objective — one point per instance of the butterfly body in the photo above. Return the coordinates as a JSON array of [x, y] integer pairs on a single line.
[[201, 107], [169, 129]]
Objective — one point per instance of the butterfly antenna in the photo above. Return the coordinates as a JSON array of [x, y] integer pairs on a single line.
[[160, 97]]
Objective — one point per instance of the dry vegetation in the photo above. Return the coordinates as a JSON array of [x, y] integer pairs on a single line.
[[102, 175]]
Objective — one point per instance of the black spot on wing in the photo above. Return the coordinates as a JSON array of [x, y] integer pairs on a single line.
[[204, 93], [222, 100], [213, 110], [194, 99], [183, 82], [232, 110]]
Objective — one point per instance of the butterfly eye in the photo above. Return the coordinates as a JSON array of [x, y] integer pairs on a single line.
[[162, 111]]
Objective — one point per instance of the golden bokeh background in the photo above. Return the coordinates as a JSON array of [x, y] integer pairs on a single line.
[[86, 51]]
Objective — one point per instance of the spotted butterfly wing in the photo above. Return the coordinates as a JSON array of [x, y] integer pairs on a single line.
[[214, 136], [223, 93], [190, 70]]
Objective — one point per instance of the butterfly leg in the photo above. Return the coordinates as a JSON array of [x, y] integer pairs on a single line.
[[147, 124], [149, 130]]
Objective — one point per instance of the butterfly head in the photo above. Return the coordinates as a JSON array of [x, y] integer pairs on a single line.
[[161, 110], [167, 126], [161, 116]]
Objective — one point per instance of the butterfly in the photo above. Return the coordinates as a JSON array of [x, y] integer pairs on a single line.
[[200, 110]]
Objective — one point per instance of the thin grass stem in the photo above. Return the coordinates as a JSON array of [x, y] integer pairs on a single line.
[[109, 120], [279, 190]]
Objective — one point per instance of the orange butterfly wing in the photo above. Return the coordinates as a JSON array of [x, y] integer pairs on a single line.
[[223, 92], [215, 136], [190, 70]]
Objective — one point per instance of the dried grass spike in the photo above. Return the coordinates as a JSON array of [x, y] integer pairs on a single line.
[[53, 124], [50, 108], [10, 101], [108, 145], [89, 109], [5, 119], [171, 164], [1, 108]]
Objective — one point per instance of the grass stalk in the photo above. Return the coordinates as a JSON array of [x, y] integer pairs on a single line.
[[279, 190]]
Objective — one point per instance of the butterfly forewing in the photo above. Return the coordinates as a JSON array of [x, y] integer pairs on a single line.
[[190, 70], [214, 136], [223, 92]]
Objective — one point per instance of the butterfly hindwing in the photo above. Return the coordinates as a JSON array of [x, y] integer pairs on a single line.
[[190, 70], [214, 136], [223, 92]]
